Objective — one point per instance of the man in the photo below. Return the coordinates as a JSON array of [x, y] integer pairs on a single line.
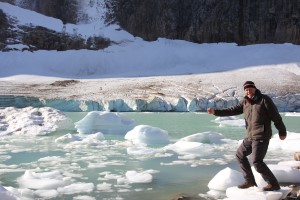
[[259, 110]]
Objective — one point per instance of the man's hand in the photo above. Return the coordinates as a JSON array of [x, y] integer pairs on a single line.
[[210, 111], [282, 137]]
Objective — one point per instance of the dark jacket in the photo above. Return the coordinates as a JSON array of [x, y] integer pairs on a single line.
[[258, 113]]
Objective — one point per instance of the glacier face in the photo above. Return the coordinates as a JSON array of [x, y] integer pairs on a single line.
[[288, 103]]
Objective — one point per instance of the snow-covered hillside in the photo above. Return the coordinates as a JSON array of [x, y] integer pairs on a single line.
[[164, 71]]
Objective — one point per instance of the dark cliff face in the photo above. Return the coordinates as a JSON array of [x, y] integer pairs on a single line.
[[200, 21], [66, 10], [206, 21], [36, 38]]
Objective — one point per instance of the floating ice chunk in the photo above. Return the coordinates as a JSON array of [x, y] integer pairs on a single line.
[[84, 139], [215, 194], [231, 120], [46, 194], [76, 188], [45, 180], [67, 138], [255, 193], [147, 135], [105, 187], [205, 137], [292, 114], [84, 198], [7, 195], [105, 122], [31, 121], [292, 163], [284, 174], [291, 142], [143, 150], [227, 180], [224, 179], [195, 148], [138, 177]]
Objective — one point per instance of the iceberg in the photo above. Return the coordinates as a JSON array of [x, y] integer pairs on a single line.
[[104, 122], [227, 180], [147, 135]]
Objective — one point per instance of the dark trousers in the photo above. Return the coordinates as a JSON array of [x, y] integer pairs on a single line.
[[258, 148]]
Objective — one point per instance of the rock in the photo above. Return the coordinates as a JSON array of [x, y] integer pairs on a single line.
[[186, 197], [297, 156], [64, 83], [37, 38], [294, 194]]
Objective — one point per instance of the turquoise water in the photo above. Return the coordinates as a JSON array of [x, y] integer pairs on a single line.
[[20, 153]]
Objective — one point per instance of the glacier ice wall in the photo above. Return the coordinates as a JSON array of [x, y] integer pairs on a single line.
[[288, 103]]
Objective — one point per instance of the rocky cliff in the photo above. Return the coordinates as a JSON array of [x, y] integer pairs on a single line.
[[40, 38], [210, 21], [201, 21]]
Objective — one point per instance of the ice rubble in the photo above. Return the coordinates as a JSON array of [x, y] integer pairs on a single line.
[[50, 184], [222, 185], [31, 121]]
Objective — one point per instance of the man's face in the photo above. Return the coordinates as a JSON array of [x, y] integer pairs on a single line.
[[250, 92]]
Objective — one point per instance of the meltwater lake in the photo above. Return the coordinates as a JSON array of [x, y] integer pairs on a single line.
[[110, 167]]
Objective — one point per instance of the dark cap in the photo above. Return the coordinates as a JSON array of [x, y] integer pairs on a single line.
[[249, 84]]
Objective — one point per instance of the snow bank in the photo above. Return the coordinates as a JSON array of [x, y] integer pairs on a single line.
[[30, 121], [105, 122], [148, 135]]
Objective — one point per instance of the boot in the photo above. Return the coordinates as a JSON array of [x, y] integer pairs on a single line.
[[247, 184], [271, 187]]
